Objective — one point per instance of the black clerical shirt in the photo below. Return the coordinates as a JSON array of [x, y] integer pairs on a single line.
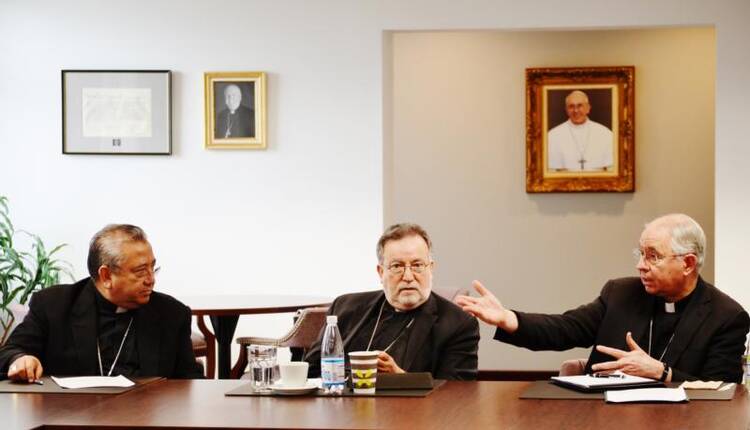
[[392, 327], [111, 327], [665, 324]]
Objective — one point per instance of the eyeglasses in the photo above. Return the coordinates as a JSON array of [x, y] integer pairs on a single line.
[[653, 258], [398, 268], [144, 272]]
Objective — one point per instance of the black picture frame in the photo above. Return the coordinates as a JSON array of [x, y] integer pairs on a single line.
[[116, 112]]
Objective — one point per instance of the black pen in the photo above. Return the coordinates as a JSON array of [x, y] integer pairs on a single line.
[[608, 375]]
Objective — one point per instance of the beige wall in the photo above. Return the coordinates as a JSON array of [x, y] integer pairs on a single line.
[[454, 161]]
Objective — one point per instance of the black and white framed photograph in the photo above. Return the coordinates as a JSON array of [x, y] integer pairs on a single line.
[[117, 112], [235, 110]]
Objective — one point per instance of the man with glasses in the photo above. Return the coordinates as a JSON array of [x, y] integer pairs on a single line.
[[580, 144], [414, 329], [668, 324], [112, 323], [236, 120]]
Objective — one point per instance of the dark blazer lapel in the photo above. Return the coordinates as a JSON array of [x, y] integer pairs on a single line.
[[83, 324], [420, 332], [638, 322], [148, 339], [364, 312], [692, 318], [640, 308]]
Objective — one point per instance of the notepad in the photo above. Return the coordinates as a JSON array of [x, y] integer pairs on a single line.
[[701, 385], [667, 395], [93, 381], [588, 383]]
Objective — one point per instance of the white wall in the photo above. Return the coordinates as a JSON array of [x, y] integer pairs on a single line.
[[457, 157], [280, 219], [220, 221]]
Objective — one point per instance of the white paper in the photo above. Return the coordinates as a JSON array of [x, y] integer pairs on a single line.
[[646, 395], [116, 112], [589, 381], [93, 381], [701, 385]]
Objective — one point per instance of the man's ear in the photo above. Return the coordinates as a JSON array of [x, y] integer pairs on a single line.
[[380, 272], [690, 264], [105, 276]]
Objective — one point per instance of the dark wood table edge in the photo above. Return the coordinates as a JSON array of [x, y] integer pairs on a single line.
[[517, 386], [247, 311]]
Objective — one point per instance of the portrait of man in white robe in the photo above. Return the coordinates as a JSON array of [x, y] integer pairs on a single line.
[[580, 144]]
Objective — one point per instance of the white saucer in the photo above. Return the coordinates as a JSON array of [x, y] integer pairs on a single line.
[[286, 390]]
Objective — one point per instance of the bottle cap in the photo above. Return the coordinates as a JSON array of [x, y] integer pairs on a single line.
[[332, 319]]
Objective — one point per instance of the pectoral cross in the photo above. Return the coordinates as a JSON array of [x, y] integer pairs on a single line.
[[230, 119], [582, 161]]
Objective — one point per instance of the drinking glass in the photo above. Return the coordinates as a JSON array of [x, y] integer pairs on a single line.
[[263, 366]]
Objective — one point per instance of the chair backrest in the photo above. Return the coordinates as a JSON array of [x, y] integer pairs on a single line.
[[450, 293], [306, 329], [573, 367]]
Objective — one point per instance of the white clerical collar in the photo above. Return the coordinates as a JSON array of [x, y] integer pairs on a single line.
[[578, 126], [669, 307], [120, 310]]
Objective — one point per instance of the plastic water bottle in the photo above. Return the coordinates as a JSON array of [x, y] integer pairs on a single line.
[[332, 358]]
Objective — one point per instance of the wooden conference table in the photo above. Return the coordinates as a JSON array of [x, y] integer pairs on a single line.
[[468, 405], [225, 311]]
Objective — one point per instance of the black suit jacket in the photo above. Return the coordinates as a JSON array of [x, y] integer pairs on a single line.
[[243, 123], [443, 340], [61, 331], [708, 341]]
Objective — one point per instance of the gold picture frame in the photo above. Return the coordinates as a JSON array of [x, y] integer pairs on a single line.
[[235, 108], [580, 129]]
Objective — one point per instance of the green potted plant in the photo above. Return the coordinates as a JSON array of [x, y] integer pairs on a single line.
[[23, 272]]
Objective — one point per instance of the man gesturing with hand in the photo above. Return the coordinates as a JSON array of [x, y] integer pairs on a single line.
[[667, 324]]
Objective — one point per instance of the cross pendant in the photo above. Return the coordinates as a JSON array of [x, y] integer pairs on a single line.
[[582, 161]]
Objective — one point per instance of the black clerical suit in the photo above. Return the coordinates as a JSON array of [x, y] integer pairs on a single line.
[[61, 330], [117, 338], [441, 340], [241, 123], [708, 342]]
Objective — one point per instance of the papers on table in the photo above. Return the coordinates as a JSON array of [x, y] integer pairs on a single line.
[[600, 383], [669, 395], [701, 385], [93, 381]]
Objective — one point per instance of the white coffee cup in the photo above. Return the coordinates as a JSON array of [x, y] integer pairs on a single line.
[[293, 374]]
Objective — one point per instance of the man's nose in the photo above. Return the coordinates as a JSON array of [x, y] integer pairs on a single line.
[[410, 275], [150, 279], [641, 265]]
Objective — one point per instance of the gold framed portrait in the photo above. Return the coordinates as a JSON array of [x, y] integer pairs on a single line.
[[235, 108], [580, 129]]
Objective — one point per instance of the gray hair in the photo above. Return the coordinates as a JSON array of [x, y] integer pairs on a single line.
[[577, 93], [687, 236], [398, 232], [226, 89], [104, 248]]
